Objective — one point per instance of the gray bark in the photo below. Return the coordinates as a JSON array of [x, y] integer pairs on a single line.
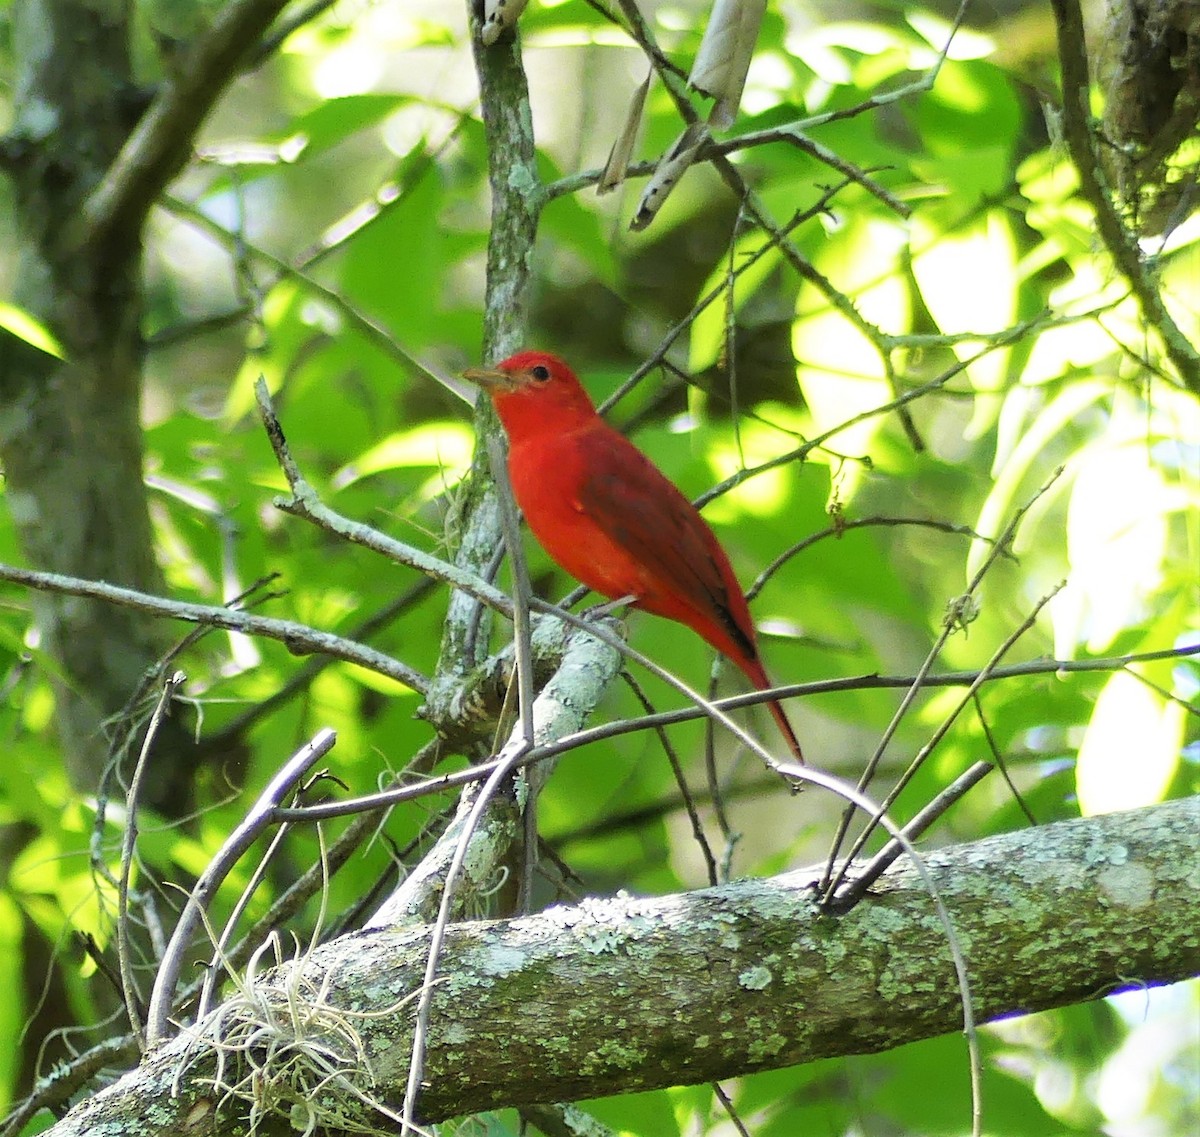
[[624, 994]]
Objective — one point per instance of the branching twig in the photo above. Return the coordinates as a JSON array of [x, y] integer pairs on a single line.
[[129, 986], [371, 330], [304, 503], [962, 611], [507, 763], [237, 727], [940, 733], [844, 525], [247, 832], [478, 773], [878, 865], [993, 343]]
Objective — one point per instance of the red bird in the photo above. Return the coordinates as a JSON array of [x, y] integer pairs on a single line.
[[608, 516]]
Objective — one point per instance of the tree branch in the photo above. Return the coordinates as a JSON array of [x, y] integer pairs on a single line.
[[615, 996], [1120, 243], [160, 144], [299, 638]]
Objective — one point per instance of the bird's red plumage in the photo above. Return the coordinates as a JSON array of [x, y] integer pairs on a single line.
[[608, 516]]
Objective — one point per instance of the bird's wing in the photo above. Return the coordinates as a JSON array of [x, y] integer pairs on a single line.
[[636, 506]]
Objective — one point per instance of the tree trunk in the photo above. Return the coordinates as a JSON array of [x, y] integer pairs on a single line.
[[70, 430]]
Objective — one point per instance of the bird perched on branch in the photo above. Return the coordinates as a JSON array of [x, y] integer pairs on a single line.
[[608, 516]]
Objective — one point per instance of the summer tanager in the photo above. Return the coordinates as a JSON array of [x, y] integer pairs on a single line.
[[608, 516]]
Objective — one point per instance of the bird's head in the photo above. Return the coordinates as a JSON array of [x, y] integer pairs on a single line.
[[533, 388]]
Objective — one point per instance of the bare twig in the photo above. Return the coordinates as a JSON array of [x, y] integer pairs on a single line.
[[219, 957], [992, 343], [998, 759], [943, 727], [371, 330], [443, 782], [844, 525], [286, 27], [305, 503], [129, 987], [677, 329], [686, 797], [962, 610], [511, 525], [57, 1088], [730, 1110], [506, 764], [237, 727]]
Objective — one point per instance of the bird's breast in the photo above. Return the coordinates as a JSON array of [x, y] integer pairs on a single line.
[[549, 482]]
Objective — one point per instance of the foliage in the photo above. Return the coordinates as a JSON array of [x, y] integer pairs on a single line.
[[333, 227]]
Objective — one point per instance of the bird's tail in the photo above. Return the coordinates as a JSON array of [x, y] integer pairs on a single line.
[[757, 675], [785, 728]]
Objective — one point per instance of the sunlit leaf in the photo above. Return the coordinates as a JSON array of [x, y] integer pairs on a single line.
[[25, 327], [1131, 749]]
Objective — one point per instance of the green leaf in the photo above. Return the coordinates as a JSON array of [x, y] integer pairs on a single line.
[[19, 323]]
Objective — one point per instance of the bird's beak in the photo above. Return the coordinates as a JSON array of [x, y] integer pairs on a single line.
[[492, 378]]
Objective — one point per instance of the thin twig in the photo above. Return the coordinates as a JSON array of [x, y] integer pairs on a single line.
[[208, 989], [510, 524], [934, 809], [962, 609], [820, 206], [685, 791], [372, 331], [129, 987], [287, 27], [506, 764], [443, 782], [849, 794], [730, 1110], [305, 503], [237, 727], [998, 759], [57, 1088], [999, 340], [943, 727], [844, 526]]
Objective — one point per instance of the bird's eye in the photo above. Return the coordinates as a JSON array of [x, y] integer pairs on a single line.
[[541, 373]]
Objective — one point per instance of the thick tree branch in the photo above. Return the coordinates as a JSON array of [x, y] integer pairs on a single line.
[[627, 994], [1079, 134], [160, 144]]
